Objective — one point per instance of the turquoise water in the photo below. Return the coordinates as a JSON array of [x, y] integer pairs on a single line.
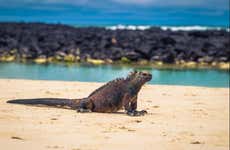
[[109, 12], [104, 73]]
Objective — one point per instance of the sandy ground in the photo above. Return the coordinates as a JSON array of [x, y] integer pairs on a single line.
[[180, 118]]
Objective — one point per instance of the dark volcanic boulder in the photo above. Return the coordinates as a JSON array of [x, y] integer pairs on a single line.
[[168, 41], [168, 58], [116, 53], [145, 49], [199, 34], [132, 55]]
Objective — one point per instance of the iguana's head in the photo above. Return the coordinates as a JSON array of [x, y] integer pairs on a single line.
[[140, 77]]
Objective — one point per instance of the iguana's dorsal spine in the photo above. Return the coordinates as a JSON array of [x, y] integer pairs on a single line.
[[107, 85]]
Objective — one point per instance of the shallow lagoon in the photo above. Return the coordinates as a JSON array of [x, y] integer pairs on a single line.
[[104, 73]]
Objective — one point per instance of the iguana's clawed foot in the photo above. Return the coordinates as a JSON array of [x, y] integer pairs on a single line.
[[137, 113], [82, 110]]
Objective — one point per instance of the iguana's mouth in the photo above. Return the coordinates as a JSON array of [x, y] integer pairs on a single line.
[[149, 77]]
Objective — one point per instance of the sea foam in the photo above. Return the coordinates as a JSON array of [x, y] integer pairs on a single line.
[[172, 28]]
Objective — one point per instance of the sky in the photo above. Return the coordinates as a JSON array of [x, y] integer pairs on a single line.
[[113, 12]]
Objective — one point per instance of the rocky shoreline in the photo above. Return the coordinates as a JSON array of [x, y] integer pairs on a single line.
[[44, 43]]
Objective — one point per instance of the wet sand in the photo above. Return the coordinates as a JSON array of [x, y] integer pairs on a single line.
[[179, 118]]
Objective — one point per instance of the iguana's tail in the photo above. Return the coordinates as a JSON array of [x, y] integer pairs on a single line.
[[53, 102]]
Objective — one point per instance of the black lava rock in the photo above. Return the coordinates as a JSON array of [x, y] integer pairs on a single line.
[[34, 40]]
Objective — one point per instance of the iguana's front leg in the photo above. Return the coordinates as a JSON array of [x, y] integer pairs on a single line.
[[131, 106], [85, 105]]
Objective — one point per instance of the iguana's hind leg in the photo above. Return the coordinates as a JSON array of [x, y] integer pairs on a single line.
[[85, 105]]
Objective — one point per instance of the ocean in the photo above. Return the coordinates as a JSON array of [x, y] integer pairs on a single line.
[[114, 15]]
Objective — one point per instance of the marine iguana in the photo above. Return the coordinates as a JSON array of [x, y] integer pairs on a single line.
[[111, 97]]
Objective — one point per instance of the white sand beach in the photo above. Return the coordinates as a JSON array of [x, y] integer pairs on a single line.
[[179, 118]]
